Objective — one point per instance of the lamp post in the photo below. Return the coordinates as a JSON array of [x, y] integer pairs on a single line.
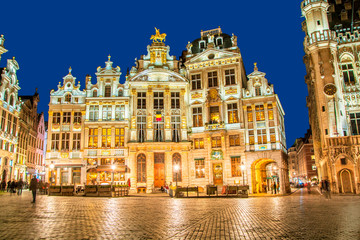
[[243, 171], [112, 177]]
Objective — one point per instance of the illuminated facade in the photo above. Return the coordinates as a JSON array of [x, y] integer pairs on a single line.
[[332, 63]]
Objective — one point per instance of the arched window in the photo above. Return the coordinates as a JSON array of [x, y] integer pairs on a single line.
[[68, 98], [11, 100], [107, 91], [6, 96], [95, 93], [120, 93], [141, 168], [176, 161], [258, 91]]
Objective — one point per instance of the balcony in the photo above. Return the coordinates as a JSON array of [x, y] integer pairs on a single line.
[[343, 142], [320, 36], [214, 126], [307, 2]]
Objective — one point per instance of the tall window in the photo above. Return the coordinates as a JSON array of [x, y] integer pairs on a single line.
[[249, 114], [216, 142], [199, 168], [175, 128], [198, 143], [234, 140], [214, 115], [13, 130], [66, 117], [11, 102], [68, 98], [141, 128], [259, 111], [212, 79], [232, 113], [251, 137], [55, 141], [76, 141], [77, 117], [176, 161], [93, 137], [65, 141], [261, 135], [3, 120], [230, 76], [94, 93], [106, 111], [355, 123], [270, 111], [158, 100], [159, 130], [175, 100], [94, 113], [348, 73], [235, 167], [195, 82], [141, 100], [8, 127], [106, 137], [6, 96], [197, 117], [107, 91], [56, 118], [258, 91], [141, 168], [120, 112], [119, 137], [272, 135]]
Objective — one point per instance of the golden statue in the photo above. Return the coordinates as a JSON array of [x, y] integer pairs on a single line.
[[158, 36]]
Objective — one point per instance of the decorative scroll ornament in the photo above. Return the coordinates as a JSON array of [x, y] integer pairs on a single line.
[[158, 37]]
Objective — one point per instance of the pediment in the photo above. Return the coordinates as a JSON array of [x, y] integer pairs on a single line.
[[212, 54], [158, 75]]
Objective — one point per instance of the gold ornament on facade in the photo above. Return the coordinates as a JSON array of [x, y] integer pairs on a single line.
[[158, 37], [231, 91], [330, 89], [196, 95]]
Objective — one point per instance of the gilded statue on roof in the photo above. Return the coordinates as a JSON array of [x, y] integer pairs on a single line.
[[158, 37]]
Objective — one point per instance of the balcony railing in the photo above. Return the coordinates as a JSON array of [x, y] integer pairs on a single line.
[[306, 2], [214, 126], [339, 142], [320, 36]]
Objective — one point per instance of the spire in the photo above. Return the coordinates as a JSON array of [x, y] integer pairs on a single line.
[[255, 67], [108, 63], [70, 69], [109, 57]]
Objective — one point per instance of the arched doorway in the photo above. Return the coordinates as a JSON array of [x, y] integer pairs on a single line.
[[346, 185], [264, 175]]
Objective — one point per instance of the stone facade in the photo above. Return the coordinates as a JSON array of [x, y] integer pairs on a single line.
[[332, 65]]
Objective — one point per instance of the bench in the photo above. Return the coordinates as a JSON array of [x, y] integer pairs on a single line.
[[211, 190], [241, 191], [181, 190]]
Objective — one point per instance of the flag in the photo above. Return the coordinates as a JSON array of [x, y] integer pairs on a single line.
[[158, 116]]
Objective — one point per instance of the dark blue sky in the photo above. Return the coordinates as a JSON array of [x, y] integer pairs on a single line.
[[47, 37]]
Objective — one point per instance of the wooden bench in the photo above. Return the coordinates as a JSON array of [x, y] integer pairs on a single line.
[[211, 190], [241, 191], [180, 190]]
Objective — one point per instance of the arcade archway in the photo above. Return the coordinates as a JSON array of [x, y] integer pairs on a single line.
[[265, 173]]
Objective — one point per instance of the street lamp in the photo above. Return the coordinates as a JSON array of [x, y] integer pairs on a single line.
[[243, 170]]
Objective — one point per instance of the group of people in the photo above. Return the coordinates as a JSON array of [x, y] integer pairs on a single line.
[[325, 188], [13, 186]]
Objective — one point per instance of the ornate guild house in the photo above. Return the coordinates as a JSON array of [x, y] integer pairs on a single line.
[[192, 121]]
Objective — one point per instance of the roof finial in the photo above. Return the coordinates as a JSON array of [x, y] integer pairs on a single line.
[[109, 57], [255, 66], [13, 58], [70, 69]]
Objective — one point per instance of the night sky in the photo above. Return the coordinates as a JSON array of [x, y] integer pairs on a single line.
[[47, 37]]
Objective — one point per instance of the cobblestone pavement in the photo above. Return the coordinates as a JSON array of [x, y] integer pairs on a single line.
[[298, 216]]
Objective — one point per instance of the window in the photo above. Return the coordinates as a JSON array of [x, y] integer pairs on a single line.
[[77, 117], [232, 113], [106, 138], [141, 168], [3, 120], [141, 100], [343, 161], [76, 141], [250, 114], [55, 141], [251, 137], [141, 128], [175, 128], [159, 130], [212, 79], [258, 91], [107, 91], [261, 135], [219, 41], [348, 73], [105, 161], [11, 102], [235, 167], [177, 162], [8, 126], [94, 113], [259, 111], [216, 142], [198, 143], [120, 112], [158, 100], [95, 93], [13, 130], [355, 123], [119, 137], [68, 98], [272, 135], [195, 82], [120, 93], [56, 118], [106, 112], [234, 140], [230, 76], [65, 141], [214, 115], [197, 117], [202, 45], [199, 168], [6, 96], [270, 111], [175, 100], [93, 137], [66, 117]]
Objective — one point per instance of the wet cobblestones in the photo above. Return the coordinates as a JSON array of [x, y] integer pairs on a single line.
[[299, 216]]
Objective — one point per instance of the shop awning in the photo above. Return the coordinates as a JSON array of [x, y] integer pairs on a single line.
[[122, 168]]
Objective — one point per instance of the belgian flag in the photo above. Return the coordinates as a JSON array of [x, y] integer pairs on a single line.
[[158, 116]]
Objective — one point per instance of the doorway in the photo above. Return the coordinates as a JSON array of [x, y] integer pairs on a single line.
[[159, 170], [218, 173], [346, 184]]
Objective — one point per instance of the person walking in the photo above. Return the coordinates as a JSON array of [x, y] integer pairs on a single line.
[[33, 187], [275, 187], [20, 186], [8, 186], [3, 185], [12, 187]]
